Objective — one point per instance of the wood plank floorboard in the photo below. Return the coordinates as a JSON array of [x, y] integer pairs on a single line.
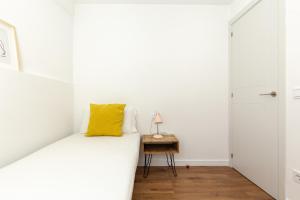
[[195, 183]]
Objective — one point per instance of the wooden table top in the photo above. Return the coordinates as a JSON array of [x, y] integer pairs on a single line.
[[166, 139]]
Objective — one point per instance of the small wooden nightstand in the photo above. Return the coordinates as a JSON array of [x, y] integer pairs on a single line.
[[168, 145]]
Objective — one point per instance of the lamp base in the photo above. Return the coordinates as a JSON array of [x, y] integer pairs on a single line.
[[158, 136]]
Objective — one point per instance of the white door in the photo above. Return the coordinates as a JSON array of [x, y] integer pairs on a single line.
[[254, 84]]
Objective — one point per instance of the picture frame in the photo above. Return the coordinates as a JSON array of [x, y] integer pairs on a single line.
[[9, 48]]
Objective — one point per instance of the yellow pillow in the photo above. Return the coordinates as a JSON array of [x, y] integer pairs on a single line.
[[106, 120]]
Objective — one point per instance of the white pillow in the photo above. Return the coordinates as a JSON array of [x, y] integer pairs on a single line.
[[129, 124]]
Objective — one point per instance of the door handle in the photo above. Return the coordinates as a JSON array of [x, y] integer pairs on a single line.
[[273, 94]]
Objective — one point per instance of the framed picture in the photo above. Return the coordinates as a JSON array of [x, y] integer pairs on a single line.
[[9, 50]]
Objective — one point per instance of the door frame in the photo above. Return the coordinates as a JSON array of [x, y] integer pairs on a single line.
[[281, 119]]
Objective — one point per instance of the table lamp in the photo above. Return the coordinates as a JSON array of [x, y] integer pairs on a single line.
[[158, 120]]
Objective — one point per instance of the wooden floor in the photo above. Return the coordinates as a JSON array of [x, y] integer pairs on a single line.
[[196, 183]]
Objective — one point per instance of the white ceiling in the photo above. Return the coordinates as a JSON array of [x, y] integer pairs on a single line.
[[68, 5], [157, 1]]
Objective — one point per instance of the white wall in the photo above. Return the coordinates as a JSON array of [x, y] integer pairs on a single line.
[[167, 58], [293, 105], [45, 35], [34, 110], [68, 5]]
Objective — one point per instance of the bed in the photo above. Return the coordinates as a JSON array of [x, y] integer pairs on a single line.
[[75, 168]]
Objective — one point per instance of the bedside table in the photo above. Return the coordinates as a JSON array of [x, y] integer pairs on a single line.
[[168, 145]]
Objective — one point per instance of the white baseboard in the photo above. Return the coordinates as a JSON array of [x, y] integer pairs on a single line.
[[162, 162]]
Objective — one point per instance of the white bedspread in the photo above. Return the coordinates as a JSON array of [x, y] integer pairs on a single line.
[[75, 168]]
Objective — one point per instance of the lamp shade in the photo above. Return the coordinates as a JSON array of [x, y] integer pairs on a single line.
[[158, 119]]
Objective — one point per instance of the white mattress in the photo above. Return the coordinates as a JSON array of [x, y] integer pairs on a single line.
[[75, 168]]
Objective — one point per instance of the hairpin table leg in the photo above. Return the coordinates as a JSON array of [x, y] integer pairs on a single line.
[[168, 162], [171, 162], [147, 164], [173, 165]]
